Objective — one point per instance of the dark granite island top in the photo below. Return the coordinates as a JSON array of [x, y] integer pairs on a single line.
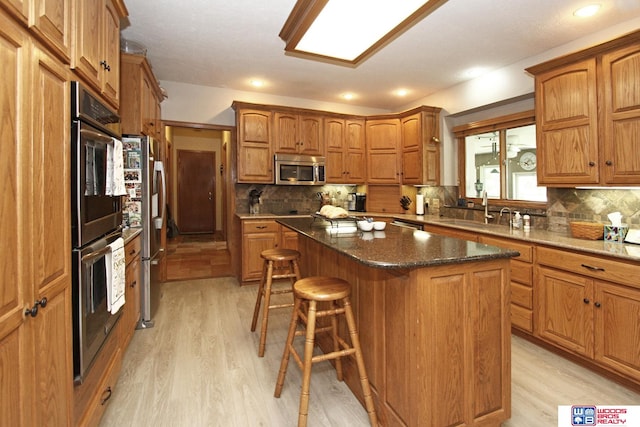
[[394, 247], [433, 317]]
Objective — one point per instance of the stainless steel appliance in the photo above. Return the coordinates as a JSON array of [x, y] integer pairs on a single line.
[[91, 319], [361, 202], [407, 224], [93, 128], [96, 222], [299, 170], [146, 207]]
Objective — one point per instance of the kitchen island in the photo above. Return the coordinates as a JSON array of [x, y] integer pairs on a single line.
[[432, 315]]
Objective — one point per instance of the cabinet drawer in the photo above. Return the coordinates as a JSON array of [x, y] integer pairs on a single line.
[[521, 295], [100, 400], [521, 318], [521, 272], [265, 226], [591, 266], [526, 251], [132, 249]]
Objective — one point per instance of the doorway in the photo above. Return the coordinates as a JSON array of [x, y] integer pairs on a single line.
[[206, 140], [196, 191]]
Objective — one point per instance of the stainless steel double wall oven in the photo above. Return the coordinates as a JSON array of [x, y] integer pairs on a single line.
[[96, 223]]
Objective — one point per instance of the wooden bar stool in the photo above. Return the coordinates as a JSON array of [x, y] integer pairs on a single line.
[[309, 291], [269, 273]]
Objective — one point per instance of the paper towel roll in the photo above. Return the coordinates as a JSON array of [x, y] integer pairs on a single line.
[[419, 204]]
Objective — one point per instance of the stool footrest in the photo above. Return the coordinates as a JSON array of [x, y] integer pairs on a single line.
[[281, 306]]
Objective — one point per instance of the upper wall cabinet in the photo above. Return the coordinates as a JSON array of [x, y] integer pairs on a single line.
[[345, 142], [96, 55], [383, 151], [141, 97], [420, 133], [298, 134], [588, 116], [254, 158]]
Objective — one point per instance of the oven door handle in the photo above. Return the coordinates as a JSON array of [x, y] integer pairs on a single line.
[[88, 259], [96, 135]]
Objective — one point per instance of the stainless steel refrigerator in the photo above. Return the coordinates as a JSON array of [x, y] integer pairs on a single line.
[[145, 207]]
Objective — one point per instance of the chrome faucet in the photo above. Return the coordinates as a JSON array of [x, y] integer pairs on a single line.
[[510, 221], [485, 203]]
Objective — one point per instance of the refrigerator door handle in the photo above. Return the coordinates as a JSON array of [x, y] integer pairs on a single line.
[[158, 166]]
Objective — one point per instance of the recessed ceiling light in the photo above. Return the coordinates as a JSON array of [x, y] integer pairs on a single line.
[[402, 92], [586, 11], [256, 82], [348, 96], [474, 72]]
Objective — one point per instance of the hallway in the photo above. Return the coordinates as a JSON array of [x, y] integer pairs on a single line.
[[197, 256]]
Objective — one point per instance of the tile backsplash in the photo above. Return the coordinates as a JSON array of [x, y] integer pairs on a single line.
[[563, 206]]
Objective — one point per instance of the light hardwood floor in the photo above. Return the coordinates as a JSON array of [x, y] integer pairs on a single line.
[[199, 367]]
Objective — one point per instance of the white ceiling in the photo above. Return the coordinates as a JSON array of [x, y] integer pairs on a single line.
[[226, 43]]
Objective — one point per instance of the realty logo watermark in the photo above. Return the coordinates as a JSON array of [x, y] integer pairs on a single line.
[[598, 415]]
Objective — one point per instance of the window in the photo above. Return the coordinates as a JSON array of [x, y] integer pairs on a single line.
[[499, 156]]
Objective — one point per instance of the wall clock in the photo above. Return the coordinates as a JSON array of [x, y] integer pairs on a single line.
[[528, 161]]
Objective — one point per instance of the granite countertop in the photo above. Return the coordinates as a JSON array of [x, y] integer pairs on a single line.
[[625, 251], [129, 234], [395, 247]]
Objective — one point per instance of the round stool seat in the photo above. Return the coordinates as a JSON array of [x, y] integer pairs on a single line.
[[280, 254], [321, 288]]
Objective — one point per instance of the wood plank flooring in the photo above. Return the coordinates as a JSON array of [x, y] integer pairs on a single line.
[[197, 256], [199, 367]]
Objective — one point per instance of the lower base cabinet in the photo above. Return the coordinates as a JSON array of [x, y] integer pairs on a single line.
[[260, 235], [590, 306]]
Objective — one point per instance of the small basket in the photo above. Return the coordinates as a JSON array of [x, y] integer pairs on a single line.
[[587, 230]]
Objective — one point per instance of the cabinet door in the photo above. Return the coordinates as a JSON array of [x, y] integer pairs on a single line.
[[383, 151], [335, 169], [355, 165], [254, 160], [111, 49], [565, 310], [252, 245], [88, 41], [51, 238], [285, 133], [566, 119], [621, 80], [311, 136], [51, 21], [289, 239], [334, 134], [16, 372], [617, 328]]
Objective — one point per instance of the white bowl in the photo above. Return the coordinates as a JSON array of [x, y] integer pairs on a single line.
[[379, 225], [365, 225]]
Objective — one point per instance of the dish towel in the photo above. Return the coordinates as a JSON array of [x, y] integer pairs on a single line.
[[116, 283], [115, 170]]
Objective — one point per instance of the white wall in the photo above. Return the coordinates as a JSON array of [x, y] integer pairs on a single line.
[[199, 104]]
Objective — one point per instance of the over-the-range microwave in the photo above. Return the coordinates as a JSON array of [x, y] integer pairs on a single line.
[[299, 170]]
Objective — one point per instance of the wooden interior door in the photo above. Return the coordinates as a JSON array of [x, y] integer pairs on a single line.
[[196, 191]]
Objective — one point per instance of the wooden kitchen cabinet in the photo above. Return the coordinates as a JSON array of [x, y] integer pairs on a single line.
[[96, 56], [588, 116], [50, 21], [521, 280], [590, 306], [35, 304], [383, 142], [131, 309], [298, 134], [141, 96], [254, 157], [345, 141], [420, 133], [259, 235]]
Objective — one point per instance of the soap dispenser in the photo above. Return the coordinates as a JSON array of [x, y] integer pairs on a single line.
[[517, 220]]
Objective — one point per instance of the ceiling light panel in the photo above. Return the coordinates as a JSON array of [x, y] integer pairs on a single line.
[[349, 31]]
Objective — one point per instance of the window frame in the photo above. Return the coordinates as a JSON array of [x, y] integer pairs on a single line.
[[500, 125]]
